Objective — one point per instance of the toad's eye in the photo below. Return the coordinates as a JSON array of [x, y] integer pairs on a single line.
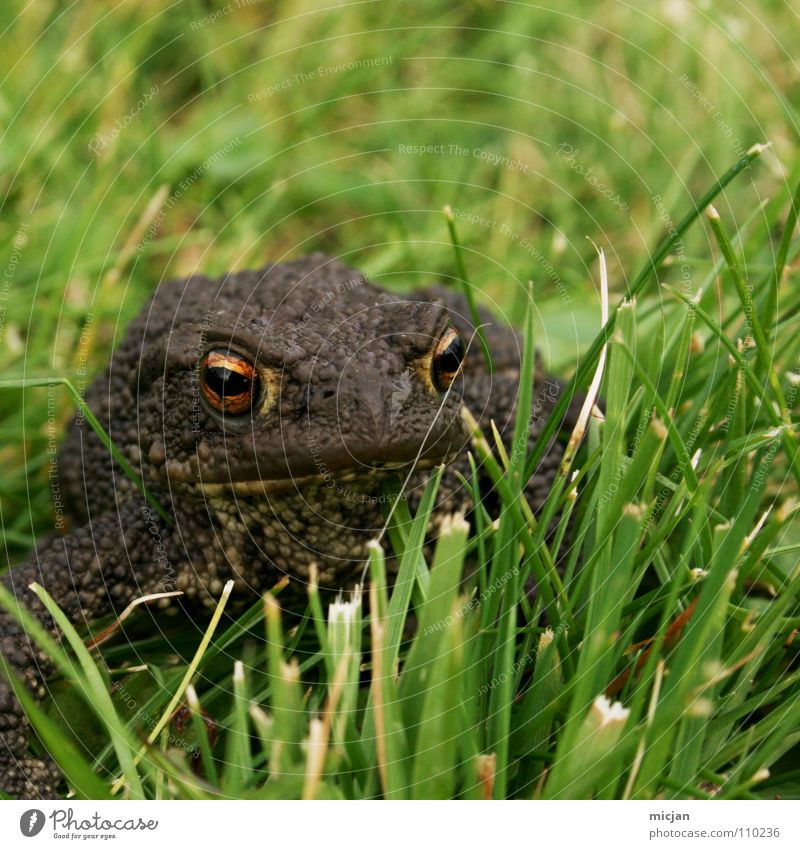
[[229, 382], [447, 360]]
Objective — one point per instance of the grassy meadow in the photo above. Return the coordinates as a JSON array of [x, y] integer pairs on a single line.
[[146, 140]]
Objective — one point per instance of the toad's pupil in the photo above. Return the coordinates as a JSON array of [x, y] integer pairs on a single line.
[[225, 381], [447, 360], [450, 359], [230, 382]]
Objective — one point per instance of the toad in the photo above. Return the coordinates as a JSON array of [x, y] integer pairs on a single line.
[[262, 410]]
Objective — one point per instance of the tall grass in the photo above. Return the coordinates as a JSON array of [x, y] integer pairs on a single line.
[[660, 664]]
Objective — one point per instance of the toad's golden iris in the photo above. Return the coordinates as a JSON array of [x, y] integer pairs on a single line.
[[447, 360], [229, 382]]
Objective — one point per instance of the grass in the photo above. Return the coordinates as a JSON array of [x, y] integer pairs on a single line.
[[677, 592]]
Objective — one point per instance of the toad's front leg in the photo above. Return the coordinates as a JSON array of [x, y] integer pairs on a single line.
[[96, 570]]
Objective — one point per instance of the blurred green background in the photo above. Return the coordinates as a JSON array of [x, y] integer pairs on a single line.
[[143, 140]]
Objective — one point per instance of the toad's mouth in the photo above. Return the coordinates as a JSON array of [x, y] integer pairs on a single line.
[[325, 478]]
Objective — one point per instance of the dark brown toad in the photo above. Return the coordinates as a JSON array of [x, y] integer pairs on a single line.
[[262, 410]]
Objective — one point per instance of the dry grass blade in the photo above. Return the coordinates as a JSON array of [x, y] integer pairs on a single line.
[[579, 430], [101, 637], [190, 670]]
